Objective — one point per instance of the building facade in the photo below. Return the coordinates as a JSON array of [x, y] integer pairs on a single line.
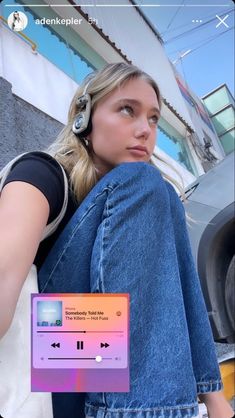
[[206, 141], [220, 105], [45, 63]]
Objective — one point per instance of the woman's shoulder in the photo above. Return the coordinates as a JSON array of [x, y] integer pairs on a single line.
[[45, 173], [41, 157]]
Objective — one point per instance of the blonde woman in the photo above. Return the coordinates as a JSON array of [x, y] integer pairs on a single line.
[[124, 232], [17, 22]]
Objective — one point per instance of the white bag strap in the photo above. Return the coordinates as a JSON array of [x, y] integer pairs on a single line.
[[50, 228]]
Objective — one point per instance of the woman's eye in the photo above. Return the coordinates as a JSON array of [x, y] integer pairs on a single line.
[[154, 119], [127, 110]]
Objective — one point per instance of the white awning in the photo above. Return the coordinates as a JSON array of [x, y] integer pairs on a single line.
[[33, 77]]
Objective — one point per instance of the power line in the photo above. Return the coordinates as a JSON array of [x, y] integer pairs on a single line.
[[210, 40], [175, 14], [189, 46]]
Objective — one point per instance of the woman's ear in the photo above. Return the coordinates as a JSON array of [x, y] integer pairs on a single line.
[[89, 136]]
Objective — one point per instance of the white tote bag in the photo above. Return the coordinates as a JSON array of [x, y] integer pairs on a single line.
[[16, 398]]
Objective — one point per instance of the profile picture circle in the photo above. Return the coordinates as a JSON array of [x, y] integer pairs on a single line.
[[17, 21]]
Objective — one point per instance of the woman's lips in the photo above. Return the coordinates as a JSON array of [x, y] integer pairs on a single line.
[[138, 150]]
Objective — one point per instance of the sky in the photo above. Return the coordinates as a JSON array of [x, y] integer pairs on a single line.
[[186, 27]]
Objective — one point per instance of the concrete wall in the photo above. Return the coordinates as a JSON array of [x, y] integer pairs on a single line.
[[22, 126]]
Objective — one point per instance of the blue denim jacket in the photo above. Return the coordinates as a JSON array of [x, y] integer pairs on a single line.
[[129, 236]]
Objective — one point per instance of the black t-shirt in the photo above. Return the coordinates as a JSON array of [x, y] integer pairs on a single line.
[[44, 172]]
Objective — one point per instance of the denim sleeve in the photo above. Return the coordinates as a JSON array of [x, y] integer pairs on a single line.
[[205, 364]]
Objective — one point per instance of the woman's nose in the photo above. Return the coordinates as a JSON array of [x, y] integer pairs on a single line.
[[143, 129]]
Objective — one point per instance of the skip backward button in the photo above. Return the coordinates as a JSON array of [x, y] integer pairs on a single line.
[[55, 345], [104, 345]]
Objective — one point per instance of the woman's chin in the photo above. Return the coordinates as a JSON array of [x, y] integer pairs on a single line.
[[136, 159]]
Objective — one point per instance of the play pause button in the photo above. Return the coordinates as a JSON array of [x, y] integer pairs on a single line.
[[80, 345]]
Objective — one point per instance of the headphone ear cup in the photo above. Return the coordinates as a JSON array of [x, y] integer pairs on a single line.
[[81, 122]]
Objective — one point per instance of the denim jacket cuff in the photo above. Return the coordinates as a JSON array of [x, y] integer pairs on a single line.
[[211, 386]]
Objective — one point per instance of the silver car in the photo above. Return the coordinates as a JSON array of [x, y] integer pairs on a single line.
[[210, 204]]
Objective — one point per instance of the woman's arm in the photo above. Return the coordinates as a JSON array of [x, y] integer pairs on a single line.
[[217, 405], [24, 212]]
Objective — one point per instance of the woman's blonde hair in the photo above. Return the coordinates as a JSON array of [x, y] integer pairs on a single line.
[[69, 149]]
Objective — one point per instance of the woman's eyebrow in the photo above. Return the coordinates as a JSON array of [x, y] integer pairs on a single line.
[[136, 103]]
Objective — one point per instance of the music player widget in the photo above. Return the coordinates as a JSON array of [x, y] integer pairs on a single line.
[[80, 342]]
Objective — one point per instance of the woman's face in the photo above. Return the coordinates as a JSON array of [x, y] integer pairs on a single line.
[[124, 126]]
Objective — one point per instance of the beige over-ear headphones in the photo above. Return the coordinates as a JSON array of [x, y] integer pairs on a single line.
[[82, 122]]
